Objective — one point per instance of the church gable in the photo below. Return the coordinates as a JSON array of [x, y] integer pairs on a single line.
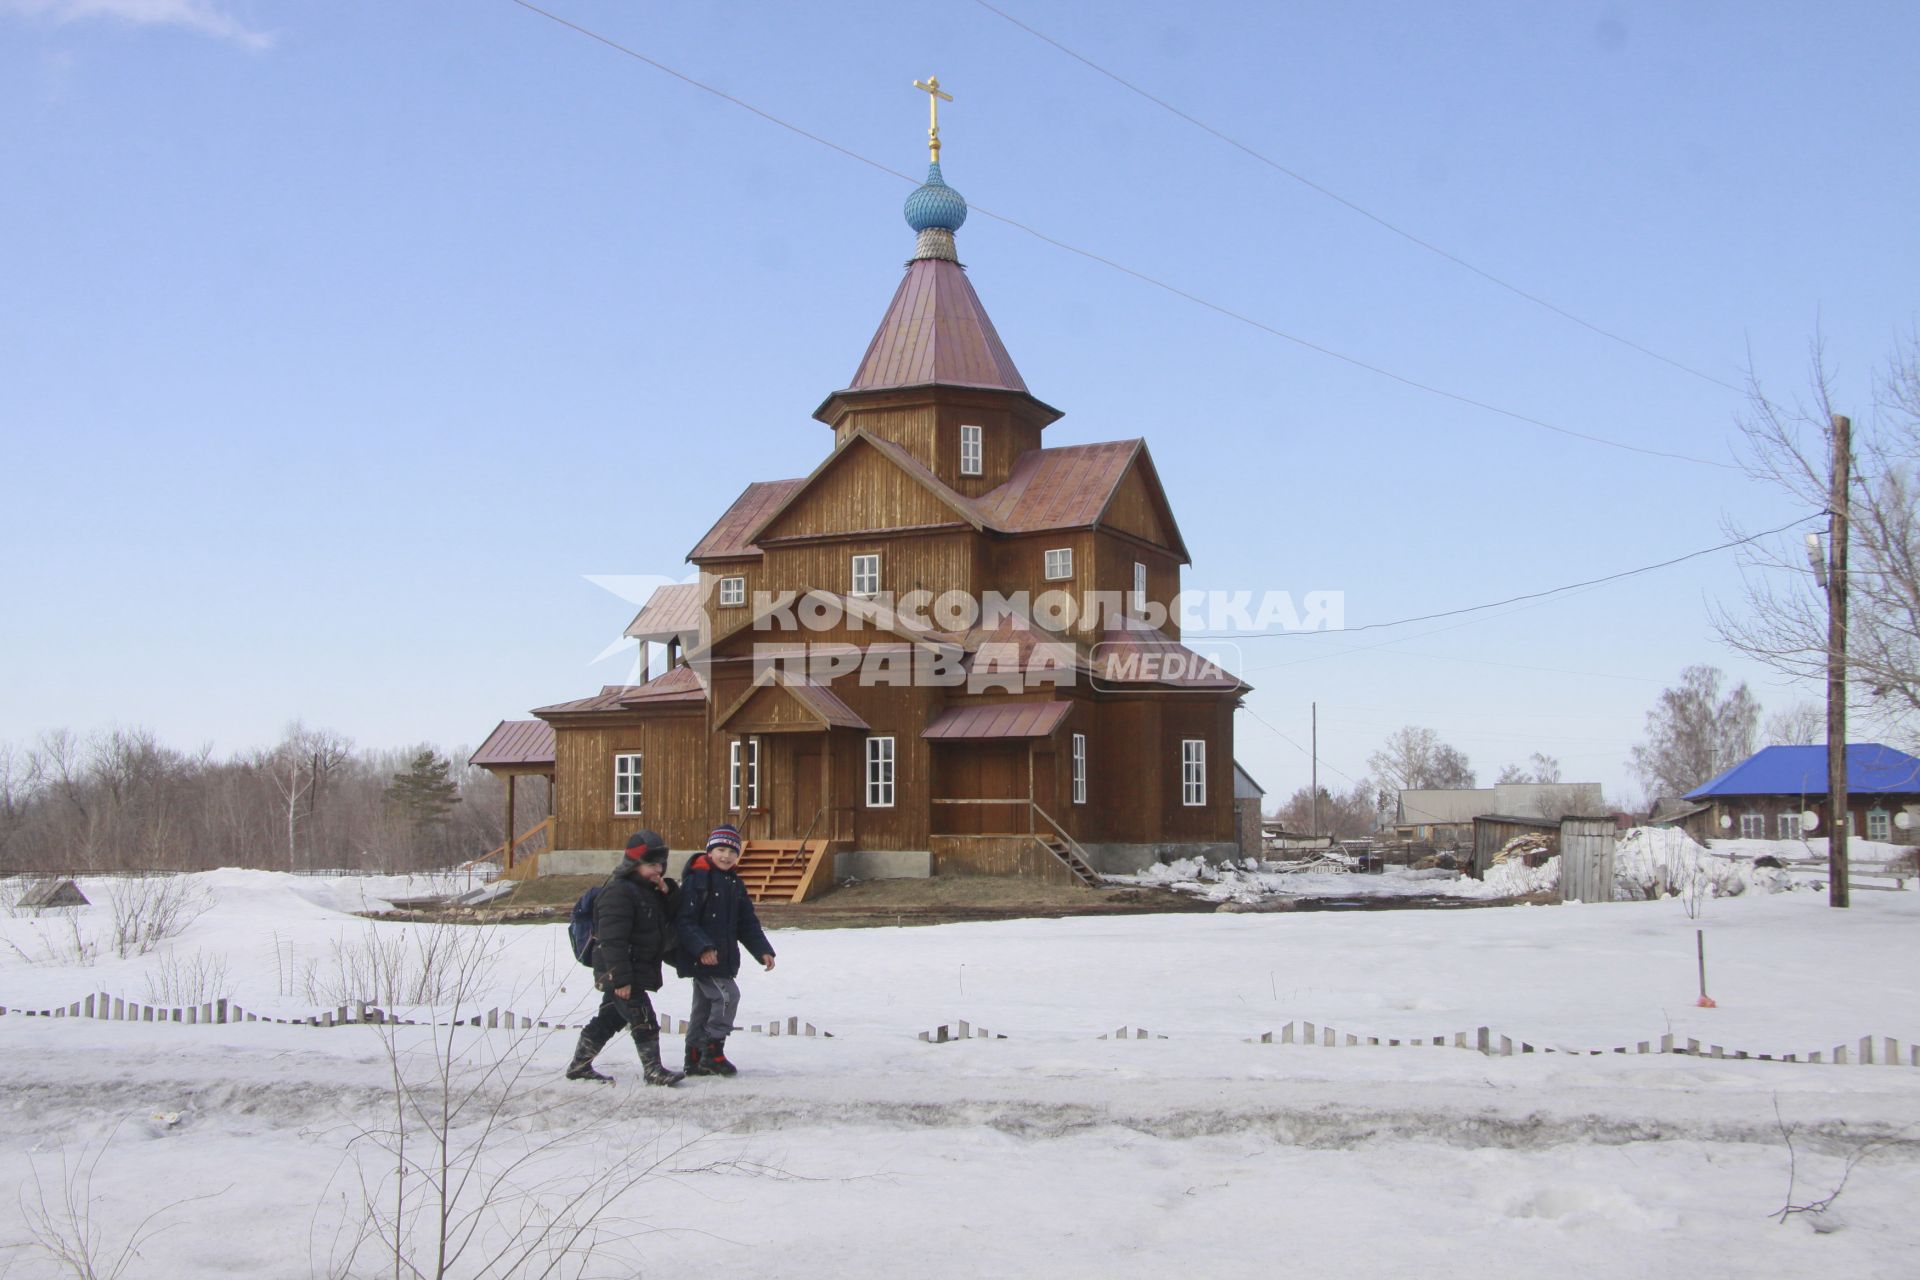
[[866, 485], [1139, 507]]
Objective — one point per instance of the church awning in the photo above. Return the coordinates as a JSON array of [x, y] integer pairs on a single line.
[[516, 742], [997, 720]]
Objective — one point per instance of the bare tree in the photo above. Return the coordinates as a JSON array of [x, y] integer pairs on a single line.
[[1804, 724], [1414, 759], [1541, 768], [1694, 733], [1782, 620], [1344, 817]]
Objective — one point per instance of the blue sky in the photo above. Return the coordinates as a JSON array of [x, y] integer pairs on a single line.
[[344, 341]]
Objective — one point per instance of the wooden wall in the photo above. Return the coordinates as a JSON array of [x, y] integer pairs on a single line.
[[673, 786], [1135, 510], [997, 856], [930, 562], [861, 490], [929, 429], [1114, 558]]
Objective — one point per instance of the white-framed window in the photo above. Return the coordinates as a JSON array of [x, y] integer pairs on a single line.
[[1139, 587], [866, 575], [880, 773], [733, 592], [1786, 826], [1059, 563], [970, 450], [1079, 768], [1193, 771], [626, 783], [1753, 826], [1879, 824], [743, 772]]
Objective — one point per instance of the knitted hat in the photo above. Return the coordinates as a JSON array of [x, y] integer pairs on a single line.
[[724, 837], [646, 845]]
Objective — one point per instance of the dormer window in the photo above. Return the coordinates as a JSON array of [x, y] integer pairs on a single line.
[[866, 575], [1059, 563], [970, 451], [733, 592]]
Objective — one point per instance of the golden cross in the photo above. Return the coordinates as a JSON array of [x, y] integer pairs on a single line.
[[931, 87]]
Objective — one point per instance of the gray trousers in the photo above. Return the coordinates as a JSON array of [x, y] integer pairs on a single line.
[[715, 1001]]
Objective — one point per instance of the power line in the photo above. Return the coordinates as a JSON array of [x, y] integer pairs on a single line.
[[1531, 595], [1296, 746], [1141, 276], [1364, 212]]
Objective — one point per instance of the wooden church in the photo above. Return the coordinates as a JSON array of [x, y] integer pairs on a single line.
[[834, 683]]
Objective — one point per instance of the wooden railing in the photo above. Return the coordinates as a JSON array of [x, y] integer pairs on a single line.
[[504, 853], [1035, 815]]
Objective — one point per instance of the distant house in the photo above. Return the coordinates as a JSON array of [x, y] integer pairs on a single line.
[[1247, 795], [1763, 796], [1444, 818]]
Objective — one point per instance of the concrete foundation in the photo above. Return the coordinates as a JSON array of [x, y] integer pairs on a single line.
[[882, 864], [1131, 859], [601, 862]]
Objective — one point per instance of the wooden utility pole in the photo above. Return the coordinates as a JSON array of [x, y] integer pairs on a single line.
[[1839, 480], [1313, 788]]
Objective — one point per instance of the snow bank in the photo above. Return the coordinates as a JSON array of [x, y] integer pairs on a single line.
[[1515, 879], [1254, 882], [1664, 862]]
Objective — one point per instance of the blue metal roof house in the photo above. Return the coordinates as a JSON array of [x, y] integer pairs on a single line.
[[1764, 795]]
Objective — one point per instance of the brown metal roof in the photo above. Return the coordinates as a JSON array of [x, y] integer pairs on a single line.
[[1063, 488], [1130, 652], [730, 533], [516, 742], [608, 699], [674, 610], [936, 331], [997, 720], [677, 684]]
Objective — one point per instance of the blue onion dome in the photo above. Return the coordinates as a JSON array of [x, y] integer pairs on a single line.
[[934, 204]]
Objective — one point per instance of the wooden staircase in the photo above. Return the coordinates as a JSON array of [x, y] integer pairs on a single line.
[[1070, 856], [785, 870]]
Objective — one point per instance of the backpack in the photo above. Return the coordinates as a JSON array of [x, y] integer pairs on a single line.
[[580, 926]]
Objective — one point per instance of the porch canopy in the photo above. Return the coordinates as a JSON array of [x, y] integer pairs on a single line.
[[993, 720], [517, 746]]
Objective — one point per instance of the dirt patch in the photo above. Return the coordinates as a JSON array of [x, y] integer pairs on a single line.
[[854, 904], [949, 899]]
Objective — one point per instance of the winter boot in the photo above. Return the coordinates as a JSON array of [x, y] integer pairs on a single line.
[[713, 1059], [581, 1068], [656, 1073], [694, 1065]]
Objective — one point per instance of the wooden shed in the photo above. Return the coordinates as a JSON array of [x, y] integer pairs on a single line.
[[1491, 833]]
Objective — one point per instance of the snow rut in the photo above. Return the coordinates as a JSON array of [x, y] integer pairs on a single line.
[[37, 1110]]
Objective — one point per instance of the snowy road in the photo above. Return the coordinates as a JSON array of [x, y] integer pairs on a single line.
[[1051, 1152]]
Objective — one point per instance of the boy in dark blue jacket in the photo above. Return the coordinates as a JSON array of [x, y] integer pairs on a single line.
[[716, 919]]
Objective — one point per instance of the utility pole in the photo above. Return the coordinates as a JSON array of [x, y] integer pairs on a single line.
[[1313, 788], [1839, 480]]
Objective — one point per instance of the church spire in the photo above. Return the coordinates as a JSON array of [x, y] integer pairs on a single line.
[[935, 210]]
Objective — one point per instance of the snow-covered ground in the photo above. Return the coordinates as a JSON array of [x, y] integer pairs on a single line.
[[1259, 882], [1051, 1151]]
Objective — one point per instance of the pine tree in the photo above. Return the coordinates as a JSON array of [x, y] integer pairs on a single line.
[[424, 794]]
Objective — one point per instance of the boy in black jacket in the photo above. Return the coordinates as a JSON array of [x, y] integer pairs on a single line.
[[716, 919], [633, 931]]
